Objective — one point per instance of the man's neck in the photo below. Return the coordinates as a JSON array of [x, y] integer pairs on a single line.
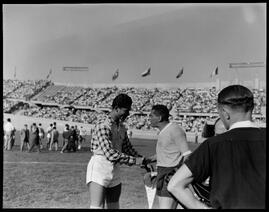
[[241, 117], [162, 125], [114, 117]]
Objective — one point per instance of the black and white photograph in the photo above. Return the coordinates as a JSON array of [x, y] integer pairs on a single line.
[[134, 106]]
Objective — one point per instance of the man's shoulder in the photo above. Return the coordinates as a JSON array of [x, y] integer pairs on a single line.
[[103, 122], [174, 127]]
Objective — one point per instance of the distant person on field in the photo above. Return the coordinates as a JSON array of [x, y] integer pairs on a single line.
[[9, 131], [111, 147], [77, 136], [41, 134], [72, 140], [170, 151], [54, 138], [66, 137], [34, 138], [49, 130], [82, 135], [235, 160], [25, 136]]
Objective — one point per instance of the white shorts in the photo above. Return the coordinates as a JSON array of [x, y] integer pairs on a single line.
[[103, 172]]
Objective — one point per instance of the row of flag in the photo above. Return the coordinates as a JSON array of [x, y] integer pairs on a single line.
[[147, 72], [143, 74]]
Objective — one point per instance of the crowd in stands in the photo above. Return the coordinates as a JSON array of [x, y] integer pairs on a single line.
[[179, 101], [63, 96], [8, 105], [10, 85], [23, 89]]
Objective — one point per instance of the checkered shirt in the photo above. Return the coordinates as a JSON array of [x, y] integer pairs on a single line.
[[101, 143]]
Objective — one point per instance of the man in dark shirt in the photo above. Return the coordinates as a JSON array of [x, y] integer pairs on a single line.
[[66, 137], [72, 140], [25, 135], [235, 160]]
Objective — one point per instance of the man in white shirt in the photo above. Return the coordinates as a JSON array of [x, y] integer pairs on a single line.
[[9, 135], [170, 150], [82, 135]]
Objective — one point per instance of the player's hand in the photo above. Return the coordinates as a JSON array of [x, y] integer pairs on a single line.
[[139, 161]]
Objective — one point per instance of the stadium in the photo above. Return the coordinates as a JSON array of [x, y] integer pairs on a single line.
[[63, 95], [26, 102]]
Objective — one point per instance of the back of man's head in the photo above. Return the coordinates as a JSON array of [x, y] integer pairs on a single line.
[[122, 101], [8, 119], [237, 97], [162, 111]]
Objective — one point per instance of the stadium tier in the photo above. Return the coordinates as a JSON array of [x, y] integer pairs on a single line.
[[190, 107]]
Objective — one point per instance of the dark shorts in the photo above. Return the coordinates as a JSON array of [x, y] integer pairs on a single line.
[[162, 174]]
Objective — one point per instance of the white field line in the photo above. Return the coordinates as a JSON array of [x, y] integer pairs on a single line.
[[45, 163]]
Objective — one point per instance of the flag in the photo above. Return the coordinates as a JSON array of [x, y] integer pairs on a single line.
[[50, 72], [215, 72], [180, 73], [150, 180], [146, 73], [115, 75]]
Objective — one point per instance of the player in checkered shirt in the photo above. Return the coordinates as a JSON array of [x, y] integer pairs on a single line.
[[111, 147]]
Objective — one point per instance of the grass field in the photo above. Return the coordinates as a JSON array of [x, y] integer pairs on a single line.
[[54, 180]]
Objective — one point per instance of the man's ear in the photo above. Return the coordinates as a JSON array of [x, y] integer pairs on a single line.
[[226, 113]]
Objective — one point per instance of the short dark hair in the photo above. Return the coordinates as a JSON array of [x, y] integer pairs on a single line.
[[161, 110], [122, 101], [8, 119], [237, 97]]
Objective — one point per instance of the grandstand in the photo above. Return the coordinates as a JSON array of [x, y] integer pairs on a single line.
[[190, 106]]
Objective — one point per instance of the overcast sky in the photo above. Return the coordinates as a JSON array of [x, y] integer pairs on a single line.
[[133, 37]]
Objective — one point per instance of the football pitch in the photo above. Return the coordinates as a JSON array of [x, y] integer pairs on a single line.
[[53, 180]]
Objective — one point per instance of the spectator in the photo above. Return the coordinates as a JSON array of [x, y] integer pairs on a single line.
[[54, 138], [49, 130], [66, 137], [41, 134], [34, 138], [72, 140], [9, 130], [82, 134], [25, 135]]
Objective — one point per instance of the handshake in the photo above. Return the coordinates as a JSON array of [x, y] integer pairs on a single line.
[[144, 163]]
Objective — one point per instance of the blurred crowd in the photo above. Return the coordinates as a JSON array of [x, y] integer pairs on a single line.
[[16, 89], [187, 106]]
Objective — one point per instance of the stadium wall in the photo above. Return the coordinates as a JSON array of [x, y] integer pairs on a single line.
[[219, 84]]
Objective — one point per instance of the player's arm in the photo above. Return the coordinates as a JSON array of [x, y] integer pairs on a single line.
[[113, 155], [179, 187], [180, 137], [128, 148]]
